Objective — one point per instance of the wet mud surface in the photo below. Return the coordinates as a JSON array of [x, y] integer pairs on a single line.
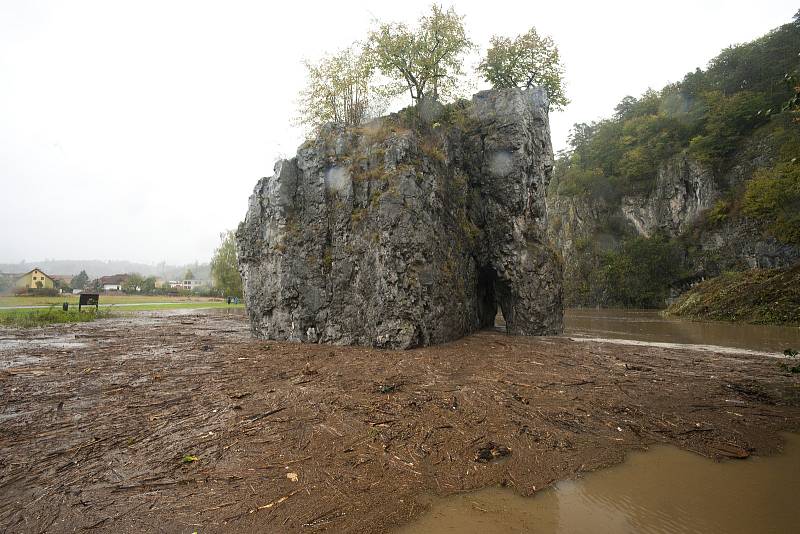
[[182, 422]]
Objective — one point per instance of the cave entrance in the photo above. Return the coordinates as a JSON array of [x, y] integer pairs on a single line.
[[490, 298]]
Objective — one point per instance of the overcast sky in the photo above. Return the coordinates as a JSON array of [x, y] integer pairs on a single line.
[[137, 130]]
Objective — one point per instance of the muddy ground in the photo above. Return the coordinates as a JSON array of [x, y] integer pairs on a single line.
[[182, 423]]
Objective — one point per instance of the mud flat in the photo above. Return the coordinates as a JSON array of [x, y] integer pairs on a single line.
[[177, 423]]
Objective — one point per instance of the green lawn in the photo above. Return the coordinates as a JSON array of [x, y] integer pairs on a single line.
[[104, 299], [29, 317]]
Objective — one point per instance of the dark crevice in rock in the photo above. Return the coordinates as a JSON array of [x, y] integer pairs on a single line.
[[487, 300]]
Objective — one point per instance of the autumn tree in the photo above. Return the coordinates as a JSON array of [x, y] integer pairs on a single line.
[[225, 268], [426, 60], [526, 61], [339, 90]]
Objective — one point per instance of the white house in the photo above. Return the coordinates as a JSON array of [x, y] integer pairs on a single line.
[[113, 283]]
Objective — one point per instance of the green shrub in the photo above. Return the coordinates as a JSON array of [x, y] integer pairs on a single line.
[[760, 296], [641, 272], [773, 198]]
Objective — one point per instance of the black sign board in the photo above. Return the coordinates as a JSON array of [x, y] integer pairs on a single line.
[[89, 299]]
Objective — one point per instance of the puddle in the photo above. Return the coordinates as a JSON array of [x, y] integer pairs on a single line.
[[664, 490], [11, 415], [47, 343], [17, 360]]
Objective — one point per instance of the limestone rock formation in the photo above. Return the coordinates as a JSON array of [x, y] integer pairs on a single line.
[[409, 231], [683, 190]]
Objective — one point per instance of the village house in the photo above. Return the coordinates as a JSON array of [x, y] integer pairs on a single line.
[[35, 279], [113, 282]]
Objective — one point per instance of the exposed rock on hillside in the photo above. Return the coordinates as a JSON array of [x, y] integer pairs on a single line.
[[397, 236], [683, 190], [679, 205]]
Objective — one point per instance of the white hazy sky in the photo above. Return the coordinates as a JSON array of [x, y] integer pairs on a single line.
[[136, 130]]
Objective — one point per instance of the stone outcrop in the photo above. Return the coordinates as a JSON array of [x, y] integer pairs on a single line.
[[399, 236], [683, 190]]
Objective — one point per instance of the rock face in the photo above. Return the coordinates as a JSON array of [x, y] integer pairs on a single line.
[[396, 236], [683, 190]]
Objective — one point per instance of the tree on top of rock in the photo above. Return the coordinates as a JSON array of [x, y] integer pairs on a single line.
[[339, 91], [525, 61], [426, 60]]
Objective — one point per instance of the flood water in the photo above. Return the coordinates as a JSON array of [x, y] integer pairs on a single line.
[[649, 326], [664, 490]]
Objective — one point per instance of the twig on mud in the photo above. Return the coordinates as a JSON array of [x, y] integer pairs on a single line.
[[385, 422], [323, 518], [565, 384], [477, 507], [223, 505], [265, 414], [694, 430], [148, 484], [275, 502]]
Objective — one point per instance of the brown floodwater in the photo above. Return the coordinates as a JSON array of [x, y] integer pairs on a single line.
[[664, 490], [650, 327]]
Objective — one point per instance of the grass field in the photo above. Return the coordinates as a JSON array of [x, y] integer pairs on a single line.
[[104, 299], [173, 306], [30, 317]]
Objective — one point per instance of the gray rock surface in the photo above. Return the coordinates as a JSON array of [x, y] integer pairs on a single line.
[[683, 190], [582, 227], [399, 237]]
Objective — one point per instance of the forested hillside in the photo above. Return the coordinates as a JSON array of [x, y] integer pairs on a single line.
[[684, 183]]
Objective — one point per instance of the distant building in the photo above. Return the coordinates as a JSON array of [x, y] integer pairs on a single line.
[[112, 283], [189, 285], [35, 279]]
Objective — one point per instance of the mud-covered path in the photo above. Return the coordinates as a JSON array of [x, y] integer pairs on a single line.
[[182, 423]]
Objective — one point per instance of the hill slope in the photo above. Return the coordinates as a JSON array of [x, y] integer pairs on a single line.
[[759, 296], [684, 183]]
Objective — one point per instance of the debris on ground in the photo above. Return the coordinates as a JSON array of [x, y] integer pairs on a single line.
[[490, 452], [144, 429]]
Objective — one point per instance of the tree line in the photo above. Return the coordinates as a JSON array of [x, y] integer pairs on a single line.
[[423, 61]]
